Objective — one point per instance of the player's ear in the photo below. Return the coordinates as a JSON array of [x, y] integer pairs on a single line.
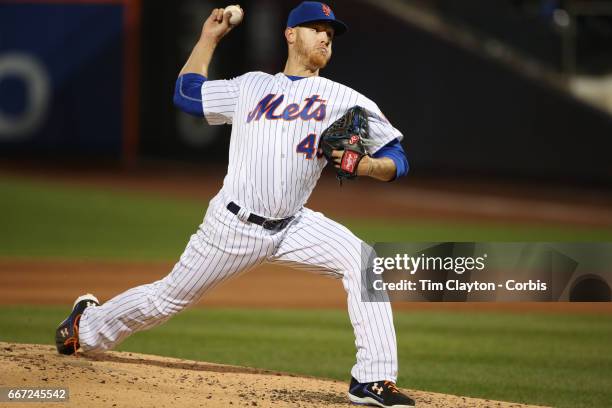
[[290, 35]]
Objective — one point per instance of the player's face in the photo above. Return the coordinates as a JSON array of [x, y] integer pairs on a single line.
[[314, 43]]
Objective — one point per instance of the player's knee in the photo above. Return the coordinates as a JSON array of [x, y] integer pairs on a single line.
[[360, 264], [164, 305], [164, 308]]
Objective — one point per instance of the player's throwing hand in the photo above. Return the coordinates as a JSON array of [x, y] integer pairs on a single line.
[[217, 25]]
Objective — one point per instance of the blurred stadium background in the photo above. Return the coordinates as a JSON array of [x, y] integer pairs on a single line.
[[504, 88], [506, 108]]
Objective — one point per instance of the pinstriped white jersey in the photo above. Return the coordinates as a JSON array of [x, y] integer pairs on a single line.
[[276, 124]]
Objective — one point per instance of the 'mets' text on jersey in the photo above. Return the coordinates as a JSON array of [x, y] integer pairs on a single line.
[[276, 123], [270, 103]]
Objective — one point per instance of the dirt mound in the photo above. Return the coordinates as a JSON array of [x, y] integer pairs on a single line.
[[120, 379]]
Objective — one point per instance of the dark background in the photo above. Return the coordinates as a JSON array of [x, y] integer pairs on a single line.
[[461, 112]]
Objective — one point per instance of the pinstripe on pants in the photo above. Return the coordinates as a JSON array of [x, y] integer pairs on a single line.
[[223, 247]]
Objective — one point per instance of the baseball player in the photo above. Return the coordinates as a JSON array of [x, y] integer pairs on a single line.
[[259, 215]]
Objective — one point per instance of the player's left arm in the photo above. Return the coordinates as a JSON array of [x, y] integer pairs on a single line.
[[383, 168], [387, 164], [387, 160]]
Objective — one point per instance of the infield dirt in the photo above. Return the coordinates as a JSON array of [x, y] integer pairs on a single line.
[[121, 379], [50, 282]]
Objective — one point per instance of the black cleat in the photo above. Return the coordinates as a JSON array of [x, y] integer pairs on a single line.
[[379, 393], [67, 333]]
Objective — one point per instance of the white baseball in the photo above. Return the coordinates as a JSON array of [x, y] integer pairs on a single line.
[[236, 12]]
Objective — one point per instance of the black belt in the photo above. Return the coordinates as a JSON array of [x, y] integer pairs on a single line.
[[264, 222]]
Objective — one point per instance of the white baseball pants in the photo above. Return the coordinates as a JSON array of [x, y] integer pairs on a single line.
[[223, 247]]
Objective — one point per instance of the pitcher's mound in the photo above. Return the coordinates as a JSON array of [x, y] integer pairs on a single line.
[[121, 379]]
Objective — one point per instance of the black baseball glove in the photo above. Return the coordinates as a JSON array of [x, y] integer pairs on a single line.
[[350, 134]]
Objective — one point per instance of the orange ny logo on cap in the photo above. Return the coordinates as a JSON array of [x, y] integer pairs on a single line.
[[326, 9]]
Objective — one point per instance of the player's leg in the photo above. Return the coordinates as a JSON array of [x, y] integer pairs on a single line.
[[316, 243], [222, 247]]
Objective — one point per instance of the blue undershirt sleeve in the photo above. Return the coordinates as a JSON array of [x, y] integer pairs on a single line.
[[395, 152], [188, 94]]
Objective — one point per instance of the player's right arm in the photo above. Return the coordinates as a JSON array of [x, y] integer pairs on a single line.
[[194, 93], [214, 29]]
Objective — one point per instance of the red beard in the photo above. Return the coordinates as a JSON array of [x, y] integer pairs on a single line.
[[318, 59], [314, 59]]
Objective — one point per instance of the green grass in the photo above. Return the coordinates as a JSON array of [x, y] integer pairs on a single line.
[[59, 221], [48, 220], [558, 360]]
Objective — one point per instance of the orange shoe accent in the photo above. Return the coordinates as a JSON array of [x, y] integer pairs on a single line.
[[391, 386], [74, 340]]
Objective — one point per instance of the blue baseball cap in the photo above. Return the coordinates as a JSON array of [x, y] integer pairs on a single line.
[[311, 11]]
